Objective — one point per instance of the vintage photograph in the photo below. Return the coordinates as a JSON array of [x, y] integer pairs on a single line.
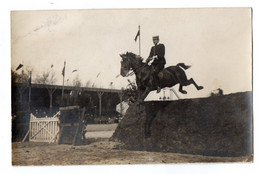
[[131, 86]]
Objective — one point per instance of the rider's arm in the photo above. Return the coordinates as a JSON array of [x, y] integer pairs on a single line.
[[151, 53]]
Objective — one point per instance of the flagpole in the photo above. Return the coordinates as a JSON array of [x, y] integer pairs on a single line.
[[63, 80], [30, 89], [139, 40]]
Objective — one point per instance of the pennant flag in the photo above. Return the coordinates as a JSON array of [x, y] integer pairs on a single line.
[[63, 70], [19, 66], [98, 74], [74, 70], [138, 34]]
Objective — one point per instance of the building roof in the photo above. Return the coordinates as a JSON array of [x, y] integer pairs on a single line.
[[71, 88]]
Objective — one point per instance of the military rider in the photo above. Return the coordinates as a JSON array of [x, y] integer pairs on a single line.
[[157, 53]]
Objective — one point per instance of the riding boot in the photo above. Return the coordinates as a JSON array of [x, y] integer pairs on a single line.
[[156, 80]]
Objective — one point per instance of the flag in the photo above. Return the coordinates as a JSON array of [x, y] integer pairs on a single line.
[[74, 70], [138, 34], [63, 70], [19, 66], [98, 74]]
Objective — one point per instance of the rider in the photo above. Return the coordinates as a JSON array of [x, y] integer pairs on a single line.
[[157, 53]]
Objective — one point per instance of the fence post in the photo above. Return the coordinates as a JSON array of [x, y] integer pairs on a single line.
[[100, 102]]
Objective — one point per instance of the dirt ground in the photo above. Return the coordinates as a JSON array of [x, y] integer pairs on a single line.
[[100, 152]]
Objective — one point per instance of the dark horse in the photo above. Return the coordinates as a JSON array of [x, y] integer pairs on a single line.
[[168, 77]]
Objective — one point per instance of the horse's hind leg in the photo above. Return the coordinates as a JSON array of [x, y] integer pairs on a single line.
[[182, 78], [181, 90], [191, 81]]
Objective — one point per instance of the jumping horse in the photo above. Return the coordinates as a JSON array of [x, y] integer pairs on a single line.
[[168, 77]]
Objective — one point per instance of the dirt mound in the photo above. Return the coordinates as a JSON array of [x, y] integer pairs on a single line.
[[215, 126]]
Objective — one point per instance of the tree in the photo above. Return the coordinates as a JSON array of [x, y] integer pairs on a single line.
[[47, 77], [77, 82], [88, 83], [19, 78], [24, 79]]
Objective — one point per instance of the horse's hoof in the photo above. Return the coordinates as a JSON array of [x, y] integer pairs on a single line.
[[200, 87], [183, 91]]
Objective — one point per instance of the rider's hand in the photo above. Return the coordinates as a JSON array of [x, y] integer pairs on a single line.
[[155, 57], [148, 59]]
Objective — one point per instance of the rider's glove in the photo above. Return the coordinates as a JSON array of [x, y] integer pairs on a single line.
[[155, 57], [148, 59]]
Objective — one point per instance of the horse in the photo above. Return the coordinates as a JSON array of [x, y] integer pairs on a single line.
[[168, 77]]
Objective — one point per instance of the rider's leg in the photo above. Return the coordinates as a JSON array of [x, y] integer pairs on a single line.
[[156, 81], [157, 69], [155, 77]]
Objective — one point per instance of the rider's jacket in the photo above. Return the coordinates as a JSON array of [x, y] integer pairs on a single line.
[[159, 51]]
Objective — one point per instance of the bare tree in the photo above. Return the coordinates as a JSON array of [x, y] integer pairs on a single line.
[[88, 83], [77, 82], [23, 77], [47, 77]]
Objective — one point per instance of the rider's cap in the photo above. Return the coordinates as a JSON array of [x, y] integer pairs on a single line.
[[155, 37]]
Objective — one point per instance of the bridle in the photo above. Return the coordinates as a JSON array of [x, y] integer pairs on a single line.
[[126, 68], [130, 70]]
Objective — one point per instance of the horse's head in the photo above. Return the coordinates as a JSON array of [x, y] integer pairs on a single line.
[[129, 61], [125, 64]]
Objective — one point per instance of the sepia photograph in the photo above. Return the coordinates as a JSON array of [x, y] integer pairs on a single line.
[[131, 86]]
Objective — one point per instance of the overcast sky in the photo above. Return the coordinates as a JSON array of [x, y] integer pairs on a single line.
[[215, 41]]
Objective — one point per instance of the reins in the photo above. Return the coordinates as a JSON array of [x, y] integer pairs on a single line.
[[133, 71]]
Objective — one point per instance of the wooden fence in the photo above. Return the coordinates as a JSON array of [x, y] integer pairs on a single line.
[[44, 129]]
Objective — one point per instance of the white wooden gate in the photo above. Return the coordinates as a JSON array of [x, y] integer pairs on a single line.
[[44, 129]]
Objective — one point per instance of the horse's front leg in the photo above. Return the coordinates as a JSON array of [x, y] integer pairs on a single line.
[[139, 94], [145, 93]]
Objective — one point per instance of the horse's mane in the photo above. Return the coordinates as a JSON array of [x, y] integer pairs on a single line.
[[131, 54], [140, 59]]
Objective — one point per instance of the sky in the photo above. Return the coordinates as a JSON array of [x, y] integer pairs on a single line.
[[216, 42]]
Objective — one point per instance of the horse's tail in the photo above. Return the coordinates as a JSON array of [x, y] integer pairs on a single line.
[[183, 66]]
